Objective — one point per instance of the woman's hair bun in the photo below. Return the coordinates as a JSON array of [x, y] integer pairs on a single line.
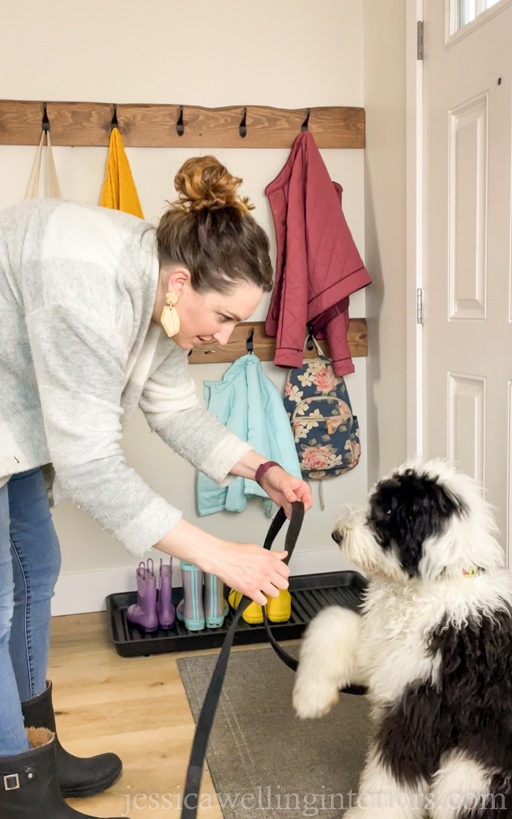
[[204, 182]]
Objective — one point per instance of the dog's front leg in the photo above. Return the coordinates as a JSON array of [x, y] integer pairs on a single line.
[[381, 795], [327, 661]]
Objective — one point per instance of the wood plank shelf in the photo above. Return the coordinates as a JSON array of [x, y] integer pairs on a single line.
[[264, 346], [88, 124], [155, 126]]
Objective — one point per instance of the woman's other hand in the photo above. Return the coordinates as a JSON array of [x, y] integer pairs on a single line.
[[280, 486], [284, 489]]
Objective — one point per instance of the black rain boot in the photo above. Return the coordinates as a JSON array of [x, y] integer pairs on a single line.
[[77, 777], [28, 785]]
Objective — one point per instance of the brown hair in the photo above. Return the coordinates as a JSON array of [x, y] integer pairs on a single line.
[[210, 231]]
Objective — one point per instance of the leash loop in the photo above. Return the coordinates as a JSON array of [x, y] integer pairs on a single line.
[[211, 700]]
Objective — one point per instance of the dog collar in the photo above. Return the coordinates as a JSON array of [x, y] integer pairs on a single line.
[[471, 572]]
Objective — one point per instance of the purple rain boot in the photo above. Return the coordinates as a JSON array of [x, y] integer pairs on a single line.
[[143, 612], [164, 607]]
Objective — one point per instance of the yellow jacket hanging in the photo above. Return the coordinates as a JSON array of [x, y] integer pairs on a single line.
[[119, 191]]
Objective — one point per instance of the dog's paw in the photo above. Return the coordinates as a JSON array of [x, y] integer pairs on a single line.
[[313, 698]]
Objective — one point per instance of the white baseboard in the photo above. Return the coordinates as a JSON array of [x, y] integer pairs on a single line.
[[87, 591]]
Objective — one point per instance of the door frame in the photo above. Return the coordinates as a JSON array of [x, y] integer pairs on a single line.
[[414, 231]]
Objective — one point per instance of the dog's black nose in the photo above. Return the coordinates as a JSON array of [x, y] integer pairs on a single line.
[[336, 536]]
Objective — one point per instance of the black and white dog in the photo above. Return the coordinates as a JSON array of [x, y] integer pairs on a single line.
[[433, 643]]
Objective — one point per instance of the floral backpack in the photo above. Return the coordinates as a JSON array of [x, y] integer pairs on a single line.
[[325, 431]]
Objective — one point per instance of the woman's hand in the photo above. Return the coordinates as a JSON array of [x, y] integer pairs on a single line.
[[284, 489], [250, 569], [279, 485], [246, 567]]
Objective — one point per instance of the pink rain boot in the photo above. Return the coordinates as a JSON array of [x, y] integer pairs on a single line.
[[164, 608], [143, 612]]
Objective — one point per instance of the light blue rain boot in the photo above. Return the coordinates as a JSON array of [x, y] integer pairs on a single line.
[[190, 610], [215, 605]]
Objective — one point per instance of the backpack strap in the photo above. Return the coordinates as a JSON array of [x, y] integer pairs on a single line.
[[311, 342]]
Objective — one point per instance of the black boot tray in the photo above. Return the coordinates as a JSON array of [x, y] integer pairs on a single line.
[[310, 594]]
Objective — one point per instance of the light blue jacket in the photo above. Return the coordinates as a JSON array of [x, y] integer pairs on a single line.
[[249, 404]]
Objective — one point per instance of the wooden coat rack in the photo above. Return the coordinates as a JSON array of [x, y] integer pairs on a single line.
[[179, 126], [88, 124], [264, 346]]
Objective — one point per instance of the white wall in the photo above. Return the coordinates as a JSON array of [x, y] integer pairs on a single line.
[[384, 26], [294, 53]]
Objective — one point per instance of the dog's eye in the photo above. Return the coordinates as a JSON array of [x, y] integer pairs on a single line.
[[387, 511]]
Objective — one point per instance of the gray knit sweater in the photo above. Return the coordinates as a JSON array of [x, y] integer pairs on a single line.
[[79, 353]]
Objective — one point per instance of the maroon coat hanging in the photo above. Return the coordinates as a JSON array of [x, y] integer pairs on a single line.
[[318, 265]]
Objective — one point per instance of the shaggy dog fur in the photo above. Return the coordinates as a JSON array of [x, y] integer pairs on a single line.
[[433, 644]]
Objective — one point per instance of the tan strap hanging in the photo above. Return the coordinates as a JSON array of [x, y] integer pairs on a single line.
[[50, 182]]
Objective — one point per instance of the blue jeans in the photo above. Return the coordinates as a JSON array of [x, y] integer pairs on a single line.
[[29, 568]]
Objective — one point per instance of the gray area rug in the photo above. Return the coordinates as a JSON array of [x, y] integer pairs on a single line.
[[263, 760]]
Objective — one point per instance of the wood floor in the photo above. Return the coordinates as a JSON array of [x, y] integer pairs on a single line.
[[136, 707]]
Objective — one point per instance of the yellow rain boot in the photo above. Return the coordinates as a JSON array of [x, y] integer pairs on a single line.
[[279, 609], [253, 613]]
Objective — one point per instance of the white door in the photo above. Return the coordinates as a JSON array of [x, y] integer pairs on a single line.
[[467, 331]]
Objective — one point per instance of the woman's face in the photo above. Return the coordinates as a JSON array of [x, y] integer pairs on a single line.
[[212, 315]]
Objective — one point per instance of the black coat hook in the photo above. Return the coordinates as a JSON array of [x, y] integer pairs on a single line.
[[305, 124], [309, 340], [114, 122], [242, 128], [249, 344], [180, 126], [45, 123]]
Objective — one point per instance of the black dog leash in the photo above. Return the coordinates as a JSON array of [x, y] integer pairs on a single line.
[[291, 539], [211, 700]]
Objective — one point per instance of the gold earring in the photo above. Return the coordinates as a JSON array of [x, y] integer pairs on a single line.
[[170, 319]]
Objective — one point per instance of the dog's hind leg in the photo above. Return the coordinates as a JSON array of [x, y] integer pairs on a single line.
[[327, 661], [463, 788], [381, 796]]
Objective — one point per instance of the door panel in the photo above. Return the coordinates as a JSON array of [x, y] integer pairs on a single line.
[[467, 333]]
